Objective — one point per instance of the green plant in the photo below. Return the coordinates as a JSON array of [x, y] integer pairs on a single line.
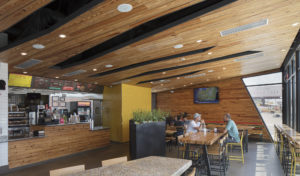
[[142, 116]]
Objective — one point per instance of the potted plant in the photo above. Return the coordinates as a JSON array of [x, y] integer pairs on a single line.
[[147, 133]]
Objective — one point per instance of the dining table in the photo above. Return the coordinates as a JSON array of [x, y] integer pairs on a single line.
[[148, 166], [203, 138], [244, 128]]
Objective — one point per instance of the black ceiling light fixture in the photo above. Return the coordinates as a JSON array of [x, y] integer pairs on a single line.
[[196, 63], [143, 31], [46, 20], [152, 61]]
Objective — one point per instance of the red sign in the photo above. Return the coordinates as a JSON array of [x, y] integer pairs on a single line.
[[84, 103], [68, 88]]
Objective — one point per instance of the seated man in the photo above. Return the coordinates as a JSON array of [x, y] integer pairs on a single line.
[[195, 125], [231, 129]]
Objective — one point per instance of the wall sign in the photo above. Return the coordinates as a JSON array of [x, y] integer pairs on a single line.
[[2, 85]]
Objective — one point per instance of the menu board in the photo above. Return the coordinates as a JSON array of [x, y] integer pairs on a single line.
[[56, 84], [19, 80]]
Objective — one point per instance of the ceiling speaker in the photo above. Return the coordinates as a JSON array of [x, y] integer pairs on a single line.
[[2, 85]]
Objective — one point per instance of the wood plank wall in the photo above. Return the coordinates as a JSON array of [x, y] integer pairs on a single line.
[[234, 99], [59, 141]]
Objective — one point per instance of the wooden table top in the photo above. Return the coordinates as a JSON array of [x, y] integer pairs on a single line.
[[153, 165], [202, 138], [240, 127], [170, 132], [290, 132]]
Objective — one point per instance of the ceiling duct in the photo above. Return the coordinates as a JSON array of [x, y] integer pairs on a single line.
[[77, 72], [27, 64], [244, 27], [3, 39], [195, 76]]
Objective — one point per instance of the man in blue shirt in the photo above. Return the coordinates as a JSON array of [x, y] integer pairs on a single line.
[[231, 129]]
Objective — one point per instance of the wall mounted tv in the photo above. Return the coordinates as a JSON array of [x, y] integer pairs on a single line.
[[206, 95]]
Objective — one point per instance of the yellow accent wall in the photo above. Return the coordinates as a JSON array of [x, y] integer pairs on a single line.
[[133, 98], [119, 102], [112, 109]]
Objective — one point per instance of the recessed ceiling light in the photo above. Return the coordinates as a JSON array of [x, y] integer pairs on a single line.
[[172, 88], [209, 53], [295, 24], [25, 72], [95, 82], [191, 83], [76, 80], [124, 7], [23, 54], [161, 84], [199, 41], [56, 77], [38, 46], [210, 71], [219, 77], [178, 77], [108, 66], [207, 80], [94, 69], [151, 82], [172, 91], [182, 59], [283, 50], [62, 36], [178, 46], [163, 73], [184, 85], [224, 68]]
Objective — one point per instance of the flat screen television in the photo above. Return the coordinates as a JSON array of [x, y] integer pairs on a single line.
[[206, 95]]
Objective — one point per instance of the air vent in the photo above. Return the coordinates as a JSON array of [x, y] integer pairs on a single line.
[[28, 64], [77, 72], [249, 57], [195, 76], [244, 27]]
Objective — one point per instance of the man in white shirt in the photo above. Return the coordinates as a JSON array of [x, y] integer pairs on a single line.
[[195, 125]]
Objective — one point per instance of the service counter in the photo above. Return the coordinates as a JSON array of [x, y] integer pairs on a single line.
[[59, 140]]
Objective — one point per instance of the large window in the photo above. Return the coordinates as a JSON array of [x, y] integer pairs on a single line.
[[266, 92], [290, 91]]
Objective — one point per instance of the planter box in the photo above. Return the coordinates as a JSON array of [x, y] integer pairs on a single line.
[[147, 139]]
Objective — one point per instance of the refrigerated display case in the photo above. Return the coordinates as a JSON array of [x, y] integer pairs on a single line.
[[84, 110]]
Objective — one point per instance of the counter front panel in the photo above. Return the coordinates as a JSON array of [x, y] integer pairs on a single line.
[[58, 141]]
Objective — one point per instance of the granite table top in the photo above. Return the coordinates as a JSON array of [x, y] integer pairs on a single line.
[[149, 166]]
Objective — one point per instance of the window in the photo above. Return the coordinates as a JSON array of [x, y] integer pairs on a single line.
[[266, 92]]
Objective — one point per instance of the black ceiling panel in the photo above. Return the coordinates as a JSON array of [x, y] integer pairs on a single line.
[[46, 20], [143, 31], [152, 61], [175, 76], [196, 63]]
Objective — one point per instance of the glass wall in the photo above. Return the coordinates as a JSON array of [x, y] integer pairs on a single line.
[[266, 92], [290, 81]]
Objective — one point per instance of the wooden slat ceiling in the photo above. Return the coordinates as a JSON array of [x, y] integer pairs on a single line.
[[104, 21], [12, 11]]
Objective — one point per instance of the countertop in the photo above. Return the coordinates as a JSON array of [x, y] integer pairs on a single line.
[[26, 138], [64, 124], [153, 165]]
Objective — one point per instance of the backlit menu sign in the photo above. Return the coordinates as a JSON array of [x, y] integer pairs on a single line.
[[19, 80]]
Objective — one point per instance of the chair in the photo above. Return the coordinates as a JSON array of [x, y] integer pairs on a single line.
[[295, 160], [218, 156], [67, 170], [114, 161], [240, 144], [193, 173]]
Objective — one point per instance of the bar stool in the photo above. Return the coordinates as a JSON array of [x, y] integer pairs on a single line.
[[295, 160]]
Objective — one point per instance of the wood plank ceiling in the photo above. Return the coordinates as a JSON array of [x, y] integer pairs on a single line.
[[12, 11], [270, 44]]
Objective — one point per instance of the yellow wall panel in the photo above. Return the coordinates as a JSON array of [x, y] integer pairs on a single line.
[[112, 109], [133, 98]]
